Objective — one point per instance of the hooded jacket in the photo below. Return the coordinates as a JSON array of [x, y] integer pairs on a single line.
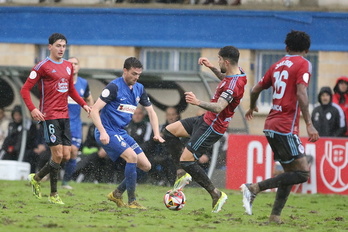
[[341, 98], [329, 120]]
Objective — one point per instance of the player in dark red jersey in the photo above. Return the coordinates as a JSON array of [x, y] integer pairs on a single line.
[[289, 78], [54, 77], [205, 130]]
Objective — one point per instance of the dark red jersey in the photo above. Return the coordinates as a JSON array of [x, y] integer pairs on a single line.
[[55, 83], [284, 76], [231, 88]]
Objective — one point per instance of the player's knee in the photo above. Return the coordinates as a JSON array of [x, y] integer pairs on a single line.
[[167, 135], [145, 167], [303, 176]]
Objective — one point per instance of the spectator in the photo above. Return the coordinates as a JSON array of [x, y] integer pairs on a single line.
[[328, 118], [82, 87], [12, 143], [4, 122], [340, 96]]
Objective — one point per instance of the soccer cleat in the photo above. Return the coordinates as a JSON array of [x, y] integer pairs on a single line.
[[181, 182], [67, 187], [248, 198], [135, 205], [36, 188], [55, 200], [118, 200], [222, 200]]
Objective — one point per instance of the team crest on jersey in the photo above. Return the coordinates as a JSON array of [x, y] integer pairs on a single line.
[[63, 85], [123, 144], [301, 148], [68, 70], [53, 138]]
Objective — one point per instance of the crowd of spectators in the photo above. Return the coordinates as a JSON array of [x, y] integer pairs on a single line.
[[329, 117]]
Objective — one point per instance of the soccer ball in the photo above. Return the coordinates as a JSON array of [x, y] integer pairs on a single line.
[[174, 200]]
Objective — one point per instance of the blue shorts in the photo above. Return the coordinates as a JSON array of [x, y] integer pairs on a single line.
[[119, 142], [76, 142]]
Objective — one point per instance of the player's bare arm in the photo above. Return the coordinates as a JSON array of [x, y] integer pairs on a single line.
[[99, 104], [154, 124], [204, 61], [215, 107], [302, 98], [254, 95]]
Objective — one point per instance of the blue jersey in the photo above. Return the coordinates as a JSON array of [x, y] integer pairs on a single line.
[[82, 88], [121, 102]]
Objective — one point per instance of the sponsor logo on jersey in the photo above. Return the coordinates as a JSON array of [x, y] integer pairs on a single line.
[[123, 144], [125, 108], [277, 108], [63, 85], [54, 71]]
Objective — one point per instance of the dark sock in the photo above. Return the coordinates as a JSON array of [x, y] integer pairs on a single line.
[[173, 146], [281, 198], [198, 175], [44, 170], [54, 170], [284, 179]]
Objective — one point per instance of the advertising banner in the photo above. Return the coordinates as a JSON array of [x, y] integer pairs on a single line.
[[250, 159]]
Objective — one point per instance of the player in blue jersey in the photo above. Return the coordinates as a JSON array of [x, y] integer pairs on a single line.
[[111, 113], [82, 87]]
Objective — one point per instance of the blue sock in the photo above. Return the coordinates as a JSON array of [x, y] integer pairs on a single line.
[[122, 187], [130, 174], [69, 170]]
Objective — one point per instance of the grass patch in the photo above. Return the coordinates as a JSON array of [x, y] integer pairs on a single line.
[[86, 209]]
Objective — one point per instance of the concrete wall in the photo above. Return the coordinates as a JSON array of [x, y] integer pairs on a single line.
[[331, 66]]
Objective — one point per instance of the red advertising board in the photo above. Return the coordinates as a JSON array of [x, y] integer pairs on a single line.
[[250, 159]]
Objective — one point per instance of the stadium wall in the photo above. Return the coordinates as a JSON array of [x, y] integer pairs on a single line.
[[103, 37]]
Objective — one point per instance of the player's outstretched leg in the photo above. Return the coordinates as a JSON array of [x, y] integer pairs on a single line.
[[182, 182]]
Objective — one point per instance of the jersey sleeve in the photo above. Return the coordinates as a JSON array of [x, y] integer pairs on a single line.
[[144, 99], [266, 80], [304, 72], [33, 78], [109, 93]]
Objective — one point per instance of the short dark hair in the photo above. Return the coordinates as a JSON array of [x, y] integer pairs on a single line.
[[132, 62], [231, 53], [56, 36], [298, 41]]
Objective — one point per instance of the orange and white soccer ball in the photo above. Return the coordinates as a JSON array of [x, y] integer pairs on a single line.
[[174, 200]]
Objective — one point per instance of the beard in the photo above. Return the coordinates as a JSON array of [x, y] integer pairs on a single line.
[[223, 69]]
